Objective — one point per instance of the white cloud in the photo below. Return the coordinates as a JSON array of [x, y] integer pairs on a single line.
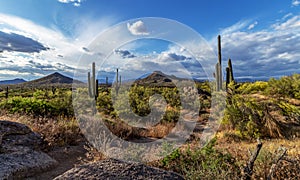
[[75, 3], [269, 52], [63, 53], [251, 26], [295, 3], [292, 23], [173, 61], [287, 16], [236, 27], [137, 28]]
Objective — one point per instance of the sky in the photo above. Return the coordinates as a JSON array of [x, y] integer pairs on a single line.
[[39, 37]]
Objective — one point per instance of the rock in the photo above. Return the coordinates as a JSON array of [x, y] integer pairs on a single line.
[[117, 169], [20, 153]]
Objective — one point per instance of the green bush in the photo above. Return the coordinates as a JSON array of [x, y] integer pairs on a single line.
[[248, 88], [201, 163], [290, 111], [287, 86], [244, 115], [41, 104], [138, 98]]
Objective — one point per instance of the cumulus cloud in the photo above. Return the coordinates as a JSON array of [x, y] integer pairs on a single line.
[[269, 52], [295, 3], [75, 3], [37, 50], [138, 28], [25, 67], [124, 53], [171, 56], [173, 61], [292, 23]]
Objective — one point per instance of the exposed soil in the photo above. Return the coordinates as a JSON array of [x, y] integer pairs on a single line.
[[67, 158]]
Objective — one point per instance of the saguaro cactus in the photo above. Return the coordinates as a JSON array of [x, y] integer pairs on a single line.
[[6, 93], [218, 73], [93, 84], [229, 73], [227, 77], [231, 78], [118, 81], [217, 76], [53, 89]]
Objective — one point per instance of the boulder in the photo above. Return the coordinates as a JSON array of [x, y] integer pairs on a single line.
[[117, 169], [20, 153]]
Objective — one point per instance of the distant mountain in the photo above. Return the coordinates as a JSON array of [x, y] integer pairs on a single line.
[[11, 82], [52, 79], [158, 79], [242, 80]]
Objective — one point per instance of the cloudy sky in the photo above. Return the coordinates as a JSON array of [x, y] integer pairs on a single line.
[[41, 37]]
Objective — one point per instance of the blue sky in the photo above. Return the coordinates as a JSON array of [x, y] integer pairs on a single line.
[[40, 37]]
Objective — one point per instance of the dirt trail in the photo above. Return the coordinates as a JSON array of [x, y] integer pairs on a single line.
[[67, 158]]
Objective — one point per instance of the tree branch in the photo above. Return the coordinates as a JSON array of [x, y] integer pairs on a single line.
[[273, 167], [248, 169]]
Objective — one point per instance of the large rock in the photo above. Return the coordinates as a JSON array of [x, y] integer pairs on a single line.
[[116, 169], [20, 153]]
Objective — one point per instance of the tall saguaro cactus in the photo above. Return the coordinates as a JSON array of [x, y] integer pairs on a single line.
[[227, 76], [229, 73], [217, 76], [93, 84], [218, 73], [231, 78], [6, 93], [118, 81]]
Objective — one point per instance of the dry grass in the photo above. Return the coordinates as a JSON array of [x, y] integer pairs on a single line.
[[240, 150], [55, 132], [62, 131]]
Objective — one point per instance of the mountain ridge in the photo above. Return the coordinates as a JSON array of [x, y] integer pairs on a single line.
[[12, 81], [53, 79]]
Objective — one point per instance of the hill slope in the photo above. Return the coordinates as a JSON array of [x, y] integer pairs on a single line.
[[52, 79], [158, 79], [10, 82]]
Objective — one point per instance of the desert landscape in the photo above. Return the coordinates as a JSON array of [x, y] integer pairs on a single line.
[[149, 89], [261, 109]]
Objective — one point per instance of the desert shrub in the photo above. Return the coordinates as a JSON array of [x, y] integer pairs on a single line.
[[104, 103], [40, 106], [30, 106], [204, 87], [202, 163], [171, 116], [287, 86], [251, 118], [247, 88], [139, 101], [244, 115], [56, 132], [290, 111]]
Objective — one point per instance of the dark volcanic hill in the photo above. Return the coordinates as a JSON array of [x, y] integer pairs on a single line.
[[158, 79], [52, 79], [10, 82]]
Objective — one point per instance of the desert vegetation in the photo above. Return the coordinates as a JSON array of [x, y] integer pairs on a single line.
[[268, 110]]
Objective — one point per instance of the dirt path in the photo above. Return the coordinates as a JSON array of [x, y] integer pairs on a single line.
[[67, 158]]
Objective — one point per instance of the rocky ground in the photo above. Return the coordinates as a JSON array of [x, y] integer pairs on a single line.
[[22, 157], [20, 153], [116, 169]]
